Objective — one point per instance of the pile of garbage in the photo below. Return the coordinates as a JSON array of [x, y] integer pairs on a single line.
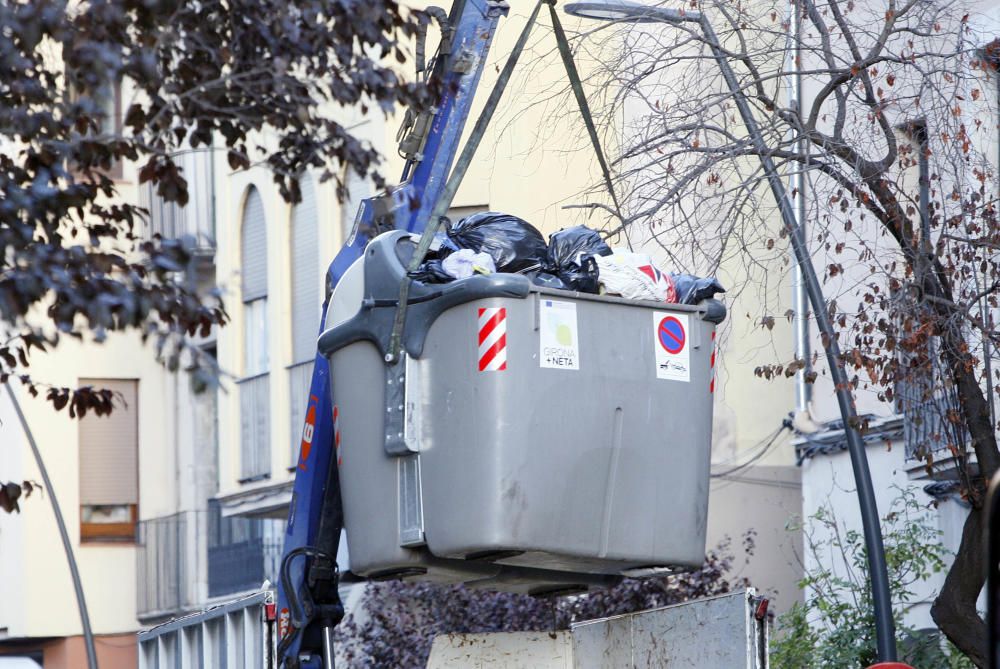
[[575, 258]]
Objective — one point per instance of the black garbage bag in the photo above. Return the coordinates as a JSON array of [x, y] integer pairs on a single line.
[[546, 280], [515, 244], [693, 289], [571, 257], [431, 271]]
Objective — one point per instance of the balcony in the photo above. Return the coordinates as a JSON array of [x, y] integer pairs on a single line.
[[255, 428], [176, 554], [932, 425], [197, 219], [242, 552], [167, 564], [937, 444]]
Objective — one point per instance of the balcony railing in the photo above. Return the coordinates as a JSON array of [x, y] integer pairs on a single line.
[[197, 218], [242, 552], [167, 555], [299, 378], [932, 425], [255, 428]]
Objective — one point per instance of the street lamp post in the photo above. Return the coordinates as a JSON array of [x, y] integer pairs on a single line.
[[623, 10], [74, 572]]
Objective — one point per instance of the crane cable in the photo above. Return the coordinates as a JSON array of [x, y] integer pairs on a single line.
[[451, 187], [472, 144], [588, 120]]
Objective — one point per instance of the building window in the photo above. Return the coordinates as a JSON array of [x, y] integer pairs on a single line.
[[254, 249], [356, 189], [306, 300], [254, 386], [107, 100], [306, 279], [109, 466], [924, 392]]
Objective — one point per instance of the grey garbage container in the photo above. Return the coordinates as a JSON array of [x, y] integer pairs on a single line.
[[527, 434]]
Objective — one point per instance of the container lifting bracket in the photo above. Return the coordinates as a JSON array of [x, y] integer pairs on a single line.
[[396, 438], [401, 443]]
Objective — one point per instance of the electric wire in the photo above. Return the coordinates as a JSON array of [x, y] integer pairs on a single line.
[[768, 444]]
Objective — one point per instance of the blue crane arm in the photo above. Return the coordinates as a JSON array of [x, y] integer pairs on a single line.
[[308, 604]]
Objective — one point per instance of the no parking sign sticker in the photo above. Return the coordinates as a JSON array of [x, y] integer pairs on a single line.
[[673, 352]]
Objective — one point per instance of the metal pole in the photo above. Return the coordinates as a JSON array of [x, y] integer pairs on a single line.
[[328, 656], [81, 602], [884, 626], [797, 182]]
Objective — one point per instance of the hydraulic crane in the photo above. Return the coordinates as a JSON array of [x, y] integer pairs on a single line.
[[309, 606]]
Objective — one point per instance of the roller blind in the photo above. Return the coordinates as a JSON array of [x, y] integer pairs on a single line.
[[306, 280], [254, 248], [109, 448], [255, 354], [357, 190]]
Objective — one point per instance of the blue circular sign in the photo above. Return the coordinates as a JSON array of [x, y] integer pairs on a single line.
[[671, 335]]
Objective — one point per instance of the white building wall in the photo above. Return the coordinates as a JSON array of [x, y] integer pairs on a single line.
[[828, 482], [33, 560]]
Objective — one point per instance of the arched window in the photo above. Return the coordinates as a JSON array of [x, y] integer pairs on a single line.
[[306, 280], [255, 420], [306, 298], [254, 245]]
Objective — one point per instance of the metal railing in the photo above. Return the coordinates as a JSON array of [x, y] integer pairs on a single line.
[[255, 427], [197, 218], [299, 380], [234, 634], [242, 552], [166, 564], [931, 425], [172, 553]]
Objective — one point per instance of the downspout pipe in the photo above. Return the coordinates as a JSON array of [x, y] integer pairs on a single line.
[[797, 202]]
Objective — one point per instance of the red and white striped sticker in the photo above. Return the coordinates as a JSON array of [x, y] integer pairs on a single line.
[[492, 339], [711, 384], [336, 435]]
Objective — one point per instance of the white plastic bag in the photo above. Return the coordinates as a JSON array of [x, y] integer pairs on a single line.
[[464, 263], [634, 277]]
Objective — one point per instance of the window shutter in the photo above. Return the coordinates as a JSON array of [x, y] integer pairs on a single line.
[[306, 278], [357, 190], [109, 448], [254, 248], [255, 330]]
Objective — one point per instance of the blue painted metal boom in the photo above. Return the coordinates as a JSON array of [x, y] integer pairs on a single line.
[[308, 605]]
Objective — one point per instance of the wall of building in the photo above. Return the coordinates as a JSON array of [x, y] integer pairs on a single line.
[[828, 483], [34, 575], [764, 503], [114, 651], [34, 567]]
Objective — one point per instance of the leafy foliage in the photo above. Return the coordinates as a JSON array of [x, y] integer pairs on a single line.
[[398, 621], [202, 76], [10, 492], [834, 627]]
